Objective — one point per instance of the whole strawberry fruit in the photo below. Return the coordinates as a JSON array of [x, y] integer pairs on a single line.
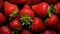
[[51, 1], [1, 3], [15, 24], [25, 31], [2, 19], [41, 9], [52, 21], [18, 1], [26, 10], [5, 30], [10, 9], [49, 32], [30, 2], [57, 8], [37, 25]]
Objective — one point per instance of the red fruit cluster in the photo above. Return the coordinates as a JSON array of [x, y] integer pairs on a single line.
[[29, 17]]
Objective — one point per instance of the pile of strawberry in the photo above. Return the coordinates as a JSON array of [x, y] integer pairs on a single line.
[[29, 17]]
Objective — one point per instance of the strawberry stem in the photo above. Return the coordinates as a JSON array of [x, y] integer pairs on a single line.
[[26, 20]]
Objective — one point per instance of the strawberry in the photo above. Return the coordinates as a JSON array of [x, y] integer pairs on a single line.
[[37, 25], [2, 18], [1, 3], [30, 2], [51, 1], [15, 24], [49, 32], [5, 30], [18, 1], [10, 9], [57, 7], [25, 31], [41, 9], [52, 21], [27, 11]]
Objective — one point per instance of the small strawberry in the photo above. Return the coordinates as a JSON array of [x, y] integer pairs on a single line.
[[25, 31], [18, 1], [2, 19], [41, 9], [52, 21], [10, 9], [5, 30], [57, 8], [27, 11], [1, 3], [15, 24], [51, 1], [37, 25], [30, 2], [49, 32]]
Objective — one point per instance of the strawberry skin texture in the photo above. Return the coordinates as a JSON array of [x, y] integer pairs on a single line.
[[2, 19], [1, 3], [27, 10], [49, 32], [18, 1], [25, 31], [52, 21], [57, 7], [5, 30], [9, 8], [41, 9], [30, 2], [37, 25], [51, 1], [15, 24]]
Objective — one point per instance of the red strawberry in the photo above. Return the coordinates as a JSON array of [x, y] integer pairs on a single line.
[[52, 21], [29, 2], [37, 25], [27, 10], [5, 30], [57, 7], [10, 9], [51, 1], [49, 32], [25, 31], [2, 19], [41, 9], [1, 3], [18, 1], [15, 24]]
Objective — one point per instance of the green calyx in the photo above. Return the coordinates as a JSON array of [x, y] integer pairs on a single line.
[[26, 20], [51, 10], [14, 14]]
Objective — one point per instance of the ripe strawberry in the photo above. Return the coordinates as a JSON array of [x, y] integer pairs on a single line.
[[49, 32], [25, 31], [29, 2], [2, 19], [5, 30], [15, 24], [57, 7], [41, 9], [51, 1], [10, 9], [37, 25], [52, 21], [18, 1], [27, 11], [1, 3]]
